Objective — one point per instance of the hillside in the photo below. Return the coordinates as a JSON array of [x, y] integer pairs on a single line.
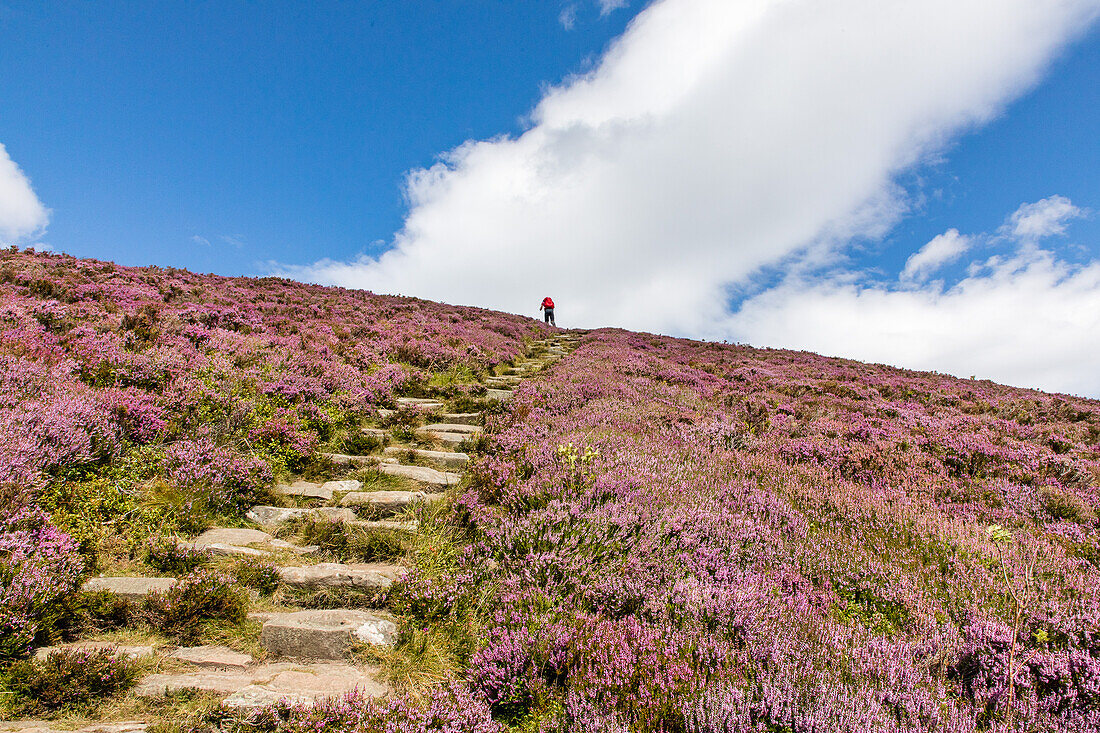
[[651, 534]]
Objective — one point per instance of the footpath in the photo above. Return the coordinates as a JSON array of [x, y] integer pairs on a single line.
[[309, 652]]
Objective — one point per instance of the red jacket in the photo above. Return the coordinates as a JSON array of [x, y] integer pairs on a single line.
[[547, 303]]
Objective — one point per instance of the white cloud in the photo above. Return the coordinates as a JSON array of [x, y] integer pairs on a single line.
[[713, 139], [942, 249], [609, 6], [1029, 320], [200, 240], [1044, 218], [22, 215], [568, 17]]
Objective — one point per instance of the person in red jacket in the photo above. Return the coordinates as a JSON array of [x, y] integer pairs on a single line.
[[547, 309]]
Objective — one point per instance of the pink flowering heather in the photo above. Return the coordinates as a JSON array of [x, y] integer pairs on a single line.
[[38, 565]]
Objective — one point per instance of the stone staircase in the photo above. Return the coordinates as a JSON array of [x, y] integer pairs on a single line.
[[308, 652]]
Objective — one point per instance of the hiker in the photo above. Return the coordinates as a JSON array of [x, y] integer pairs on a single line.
[[547, 308]]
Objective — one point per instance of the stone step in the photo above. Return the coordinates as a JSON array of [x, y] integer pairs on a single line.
[[53, 726], [384, 502], [463, 418], [364, 576], [424, 403], [240, 542], [263, 684], [304, 489], [501, 395], [129, 588], [444, 427], [448, 438], [129, 651], [271, 516], [422, 475], [212, 657], [447, 458], [325, 634], [342, 459]]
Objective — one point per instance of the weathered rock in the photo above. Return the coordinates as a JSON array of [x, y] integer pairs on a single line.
[[304, 489], [383, 501], [365, 576], [342, 487], [449, 438], [221, 682], [442, 427], [46, 726], [327, 634], [128, 651], [237, 541], [214, 657], [342, 459], [463, 418], [447, 458], [305, 684], [424, 403], [131, 589], [502, 395], [421, 474], [270, 516]]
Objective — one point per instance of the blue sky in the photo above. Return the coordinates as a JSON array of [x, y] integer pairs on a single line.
[[286, 127], [749, 170]]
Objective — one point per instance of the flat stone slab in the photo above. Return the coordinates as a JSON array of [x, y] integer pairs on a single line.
[[325, 634], [365, 576], [270, 516], [443, 427], [131, 589], [449, 438], [213, 657], [237, 541], [421, 474], [343, 459], [305, 684], [502, 395], [447, 458], [462, 418], [222, 682], [128, 651], [342, 487], [48, 726], [424, 403], [383, 501], [304, 489]]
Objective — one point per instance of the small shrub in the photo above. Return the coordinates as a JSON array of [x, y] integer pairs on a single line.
[[73, 680], [360, 444], [166, 555], [39, 566], [260, 577], [195, 601], [1066, 506]]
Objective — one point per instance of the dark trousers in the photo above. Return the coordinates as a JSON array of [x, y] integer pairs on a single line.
[[548, 316]]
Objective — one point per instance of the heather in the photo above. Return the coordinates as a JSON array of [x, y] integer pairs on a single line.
[[710, 537], [654, 534], [148, 401]]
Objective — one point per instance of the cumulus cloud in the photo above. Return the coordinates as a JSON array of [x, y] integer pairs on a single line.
[[1044, 218], [713, 139], [1028, 320], [22, 215], [943, 248]]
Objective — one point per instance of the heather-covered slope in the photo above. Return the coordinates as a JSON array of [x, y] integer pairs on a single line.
[[654, 534]]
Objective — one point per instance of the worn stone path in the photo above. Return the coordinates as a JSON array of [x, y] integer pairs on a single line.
[[309, 652]]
